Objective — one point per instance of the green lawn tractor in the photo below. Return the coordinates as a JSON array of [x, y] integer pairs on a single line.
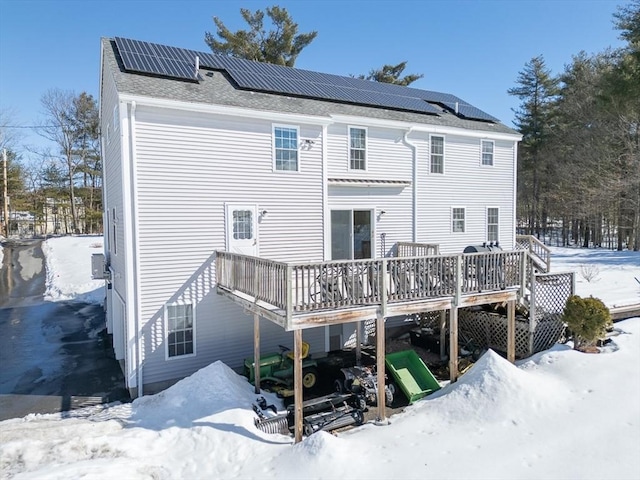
[[276, 370]]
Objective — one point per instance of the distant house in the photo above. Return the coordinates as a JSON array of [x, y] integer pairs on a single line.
[[56, 218], [214, 162]]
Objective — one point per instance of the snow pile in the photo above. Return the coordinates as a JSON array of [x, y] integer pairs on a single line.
[[69, 269], [560, 414], [211, 390]]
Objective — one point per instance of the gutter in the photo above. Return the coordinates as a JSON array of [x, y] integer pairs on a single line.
[[414, 186]]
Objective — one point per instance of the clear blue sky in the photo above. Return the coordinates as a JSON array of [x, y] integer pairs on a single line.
[[472, 49]]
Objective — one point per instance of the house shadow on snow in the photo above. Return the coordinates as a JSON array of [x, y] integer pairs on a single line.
[[600, 257]]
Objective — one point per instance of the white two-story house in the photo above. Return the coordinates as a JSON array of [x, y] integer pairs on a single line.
[[204, 154]]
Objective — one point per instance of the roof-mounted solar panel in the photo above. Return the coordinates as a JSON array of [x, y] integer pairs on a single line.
[[155, 59]]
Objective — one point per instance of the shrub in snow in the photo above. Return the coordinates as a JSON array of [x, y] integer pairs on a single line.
[[587, 319], [589, 272]]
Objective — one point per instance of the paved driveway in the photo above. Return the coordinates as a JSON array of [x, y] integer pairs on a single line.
[[54, 356]]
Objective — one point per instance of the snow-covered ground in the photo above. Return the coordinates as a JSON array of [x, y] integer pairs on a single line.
[[69, 269], [559, 415], [612, 276]]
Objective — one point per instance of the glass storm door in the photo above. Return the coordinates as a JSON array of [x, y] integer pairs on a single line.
[[242, 229]]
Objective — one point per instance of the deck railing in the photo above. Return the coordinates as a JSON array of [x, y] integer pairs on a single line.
[[315, 286], [538, 250], [413, 249]]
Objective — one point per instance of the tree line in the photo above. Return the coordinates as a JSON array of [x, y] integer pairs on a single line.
[[579, 159], [578, 162], [60, 187]]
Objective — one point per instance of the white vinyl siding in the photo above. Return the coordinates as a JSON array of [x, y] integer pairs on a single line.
[[466, 183], [487, 152], [114, 232], [436, 160], [189, 168], [386, 158], [493, 224], [285, 148], [116, 119], [357, 148], [458, 220]]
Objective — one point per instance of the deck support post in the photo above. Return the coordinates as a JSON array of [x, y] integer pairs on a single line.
[[358, 343], [380, 367], [256, 352], [511, 331], [533, 315], [453, 344], [297, 384], [443, 334]]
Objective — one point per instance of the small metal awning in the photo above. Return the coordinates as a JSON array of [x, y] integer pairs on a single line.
[[365, 182]]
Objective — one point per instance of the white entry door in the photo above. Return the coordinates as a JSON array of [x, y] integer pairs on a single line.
[[242, 229]]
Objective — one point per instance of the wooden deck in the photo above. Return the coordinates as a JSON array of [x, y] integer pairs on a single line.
[[305, 295]]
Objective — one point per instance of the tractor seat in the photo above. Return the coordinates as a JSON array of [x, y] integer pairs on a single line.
[[305, 351]]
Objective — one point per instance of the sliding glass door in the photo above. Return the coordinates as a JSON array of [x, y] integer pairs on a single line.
[[351, 233]]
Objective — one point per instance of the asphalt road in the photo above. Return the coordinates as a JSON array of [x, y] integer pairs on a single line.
[[54, 356]]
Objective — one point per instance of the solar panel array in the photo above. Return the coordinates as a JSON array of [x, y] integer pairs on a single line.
[[172, 62]]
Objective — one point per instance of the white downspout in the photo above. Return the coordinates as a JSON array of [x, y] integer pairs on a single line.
[[514, 214], [134, 247], [326, 213], [414, 187]]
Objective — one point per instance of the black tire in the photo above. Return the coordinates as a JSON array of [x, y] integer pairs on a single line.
[[307, 429], [309, 377], [389, 392], [338, 386]]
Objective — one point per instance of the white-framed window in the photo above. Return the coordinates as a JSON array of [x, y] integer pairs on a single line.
[[493, 224], [486, 147], [458, 219], [285, 148], [242, 224], [437, 154], [180, 323], [357, 148]]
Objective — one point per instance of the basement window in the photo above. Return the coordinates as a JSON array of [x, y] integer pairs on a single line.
[[180, 329]]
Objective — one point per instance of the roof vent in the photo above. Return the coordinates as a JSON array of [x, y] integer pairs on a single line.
[[197, 66], [456, 104]]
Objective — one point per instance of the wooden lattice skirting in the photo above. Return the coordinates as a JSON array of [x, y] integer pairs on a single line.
[[489, 330]]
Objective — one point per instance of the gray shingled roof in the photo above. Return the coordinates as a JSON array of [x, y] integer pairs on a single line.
[[216, 89]]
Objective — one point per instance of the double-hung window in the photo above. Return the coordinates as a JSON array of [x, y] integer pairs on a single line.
[[458, 219], [285, 141], [493, 224], [487, 152], [437, 154], [180, 325], [357, 148]]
